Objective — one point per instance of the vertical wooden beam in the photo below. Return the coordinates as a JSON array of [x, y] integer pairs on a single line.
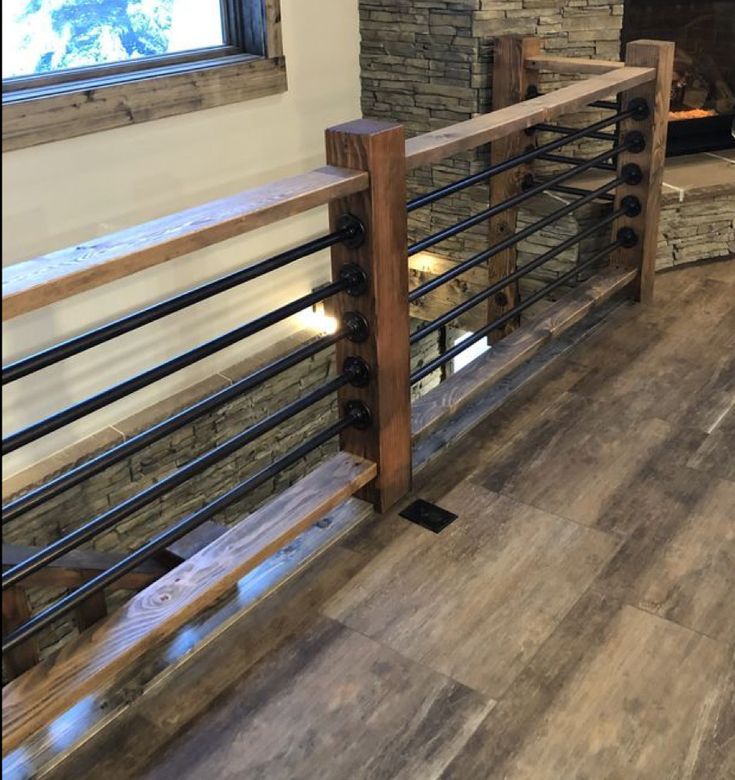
[[511, 81], [15, 612], [91, 610], [657, 93], [379, 149]]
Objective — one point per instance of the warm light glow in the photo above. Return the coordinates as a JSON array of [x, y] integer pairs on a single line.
[[425, 262], [694, 113], [318, 320]]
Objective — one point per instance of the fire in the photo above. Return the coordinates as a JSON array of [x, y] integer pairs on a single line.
[[695, 113]]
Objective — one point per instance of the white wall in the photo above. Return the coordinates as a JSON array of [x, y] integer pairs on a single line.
[[61, 193]]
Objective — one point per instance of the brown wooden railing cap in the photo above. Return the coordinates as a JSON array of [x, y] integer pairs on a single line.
[[35, 283]]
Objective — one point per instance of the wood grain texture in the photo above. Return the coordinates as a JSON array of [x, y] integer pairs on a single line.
[[443, 401], [425, 266], [411, 721], [475, 602], [16, 611], [463, 136], [49, 278], [49, 688], [571, 65], [378, 148], [636, 704], [103, 104], [660, 56], [511, 80], [124, 724]]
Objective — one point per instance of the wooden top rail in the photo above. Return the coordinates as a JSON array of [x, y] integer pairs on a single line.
[[571, 65], [32, 701], [435, 146], [49, 278]]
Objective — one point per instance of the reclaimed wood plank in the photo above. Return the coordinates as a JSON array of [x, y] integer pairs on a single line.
[[43, 280], [461, 137], [571, 65], [511, 81], [44, 692], [658, 55], [106, 103], [16, 610]]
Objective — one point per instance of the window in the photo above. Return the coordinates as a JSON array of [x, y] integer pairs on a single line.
[[75, 66]]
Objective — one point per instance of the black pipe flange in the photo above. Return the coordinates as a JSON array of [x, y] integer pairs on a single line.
[[632, 206], [353, 229], [527, 182], [628, 237], [632, 174], [357, 326], [356, 279], [640, 108], [635, 141], [359, 414], [357, 370]]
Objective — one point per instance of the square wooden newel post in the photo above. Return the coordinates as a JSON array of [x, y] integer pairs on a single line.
[[378, 148], [512, 83], [652, 122]]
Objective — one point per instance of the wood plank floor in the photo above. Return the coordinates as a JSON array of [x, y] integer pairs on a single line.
[[576, 622]]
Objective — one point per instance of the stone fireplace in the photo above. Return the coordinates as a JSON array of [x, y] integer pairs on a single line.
[[703, 90], [428, 64]]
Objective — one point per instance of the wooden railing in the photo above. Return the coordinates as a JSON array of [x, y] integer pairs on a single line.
[[364, 182]]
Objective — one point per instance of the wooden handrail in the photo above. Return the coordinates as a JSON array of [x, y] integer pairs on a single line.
[[31, 284], [435, 146], [48, 689], [571, 65]]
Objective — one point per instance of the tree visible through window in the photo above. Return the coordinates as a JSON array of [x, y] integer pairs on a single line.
[[42, 36]]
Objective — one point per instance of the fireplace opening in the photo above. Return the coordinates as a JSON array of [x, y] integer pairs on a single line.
[[702, 115]]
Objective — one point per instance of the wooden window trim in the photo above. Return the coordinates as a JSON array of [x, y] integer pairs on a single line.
[[39, 110]]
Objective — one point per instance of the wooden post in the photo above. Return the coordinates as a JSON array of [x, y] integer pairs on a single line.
[[657, 93], [15, 612], [511, 81], [378, 148]]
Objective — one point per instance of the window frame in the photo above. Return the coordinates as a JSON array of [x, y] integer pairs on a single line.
[[52, 106]]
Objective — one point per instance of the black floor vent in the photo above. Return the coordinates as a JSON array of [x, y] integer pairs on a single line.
[[428, 515]]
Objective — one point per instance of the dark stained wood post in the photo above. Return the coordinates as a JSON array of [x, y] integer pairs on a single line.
[[657, 93], [15, 612], [511, 82], [378, 148]]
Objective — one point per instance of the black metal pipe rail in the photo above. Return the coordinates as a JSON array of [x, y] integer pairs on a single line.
[[350, 230], [351, 278], [355, 415], [354, 371], [609, 105], [566, 160], [516, 200], [481, 257], [608, 196], [451, 353], [571, 135], [25, 503], [630, 208], [573, 131]]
